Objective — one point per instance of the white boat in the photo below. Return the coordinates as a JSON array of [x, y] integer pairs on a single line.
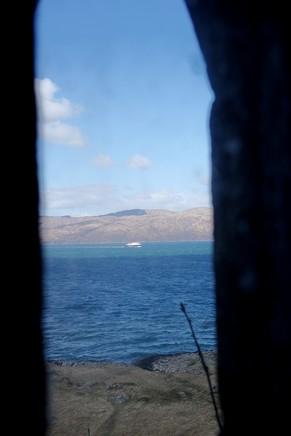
[[134, 244]]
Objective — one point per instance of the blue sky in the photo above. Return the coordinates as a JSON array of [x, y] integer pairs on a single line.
[[124, 104]]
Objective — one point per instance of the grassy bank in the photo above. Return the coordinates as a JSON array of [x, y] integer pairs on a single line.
[[171, 397]]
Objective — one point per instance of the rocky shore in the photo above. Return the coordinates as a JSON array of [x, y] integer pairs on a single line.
[[156, 396]]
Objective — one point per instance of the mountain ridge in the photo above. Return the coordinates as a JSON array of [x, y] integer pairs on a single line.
[[146, 225]]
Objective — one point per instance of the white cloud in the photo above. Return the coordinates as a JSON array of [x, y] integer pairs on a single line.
[[51, 107], [58, 132], [139, 162], [103, 161], [101, 199], [52, 110], [80, 200]]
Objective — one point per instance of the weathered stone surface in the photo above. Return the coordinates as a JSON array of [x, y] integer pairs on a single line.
[[248, 56]]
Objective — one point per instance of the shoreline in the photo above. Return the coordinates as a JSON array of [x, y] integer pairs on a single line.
[[48, 244], [149, 363]]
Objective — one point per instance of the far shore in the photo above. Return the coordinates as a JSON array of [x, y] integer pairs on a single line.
[[158, 395], [46, 243]]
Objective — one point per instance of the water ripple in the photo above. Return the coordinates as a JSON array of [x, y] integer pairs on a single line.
[[102, 304]]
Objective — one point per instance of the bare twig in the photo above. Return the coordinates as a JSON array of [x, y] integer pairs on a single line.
[[205, 367]]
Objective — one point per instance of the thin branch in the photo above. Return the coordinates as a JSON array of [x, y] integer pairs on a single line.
[[205, 367]]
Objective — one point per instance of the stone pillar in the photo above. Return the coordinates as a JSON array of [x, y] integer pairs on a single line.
[[245, 45], [23, 376]]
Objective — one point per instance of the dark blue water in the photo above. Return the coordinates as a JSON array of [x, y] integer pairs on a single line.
[[117, 303]]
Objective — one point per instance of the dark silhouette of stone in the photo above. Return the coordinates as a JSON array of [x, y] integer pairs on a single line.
[[246, 48], [23, 379]]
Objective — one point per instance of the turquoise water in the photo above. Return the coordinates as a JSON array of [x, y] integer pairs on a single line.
[[120, 250], [111, 302]]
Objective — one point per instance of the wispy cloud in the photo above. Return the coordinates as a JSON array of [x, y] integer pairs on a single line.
[[103, 161], [62, 133], [52, 110], [79, 200], [105, 198], [139, 162]]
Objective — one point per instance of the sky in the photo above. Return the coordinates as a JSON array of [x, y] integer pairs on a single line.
[[123, 107]]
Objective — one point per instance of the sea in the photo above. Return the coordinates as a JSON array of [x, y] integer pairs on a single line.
[[114, 303]]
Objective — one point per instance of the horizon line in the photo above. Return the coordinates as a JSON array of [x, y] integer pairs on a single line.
[[124, 210]]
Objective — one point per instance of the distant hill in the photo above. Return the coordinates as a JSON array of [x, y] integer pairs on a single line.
[[130, 212], [129, 225]]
